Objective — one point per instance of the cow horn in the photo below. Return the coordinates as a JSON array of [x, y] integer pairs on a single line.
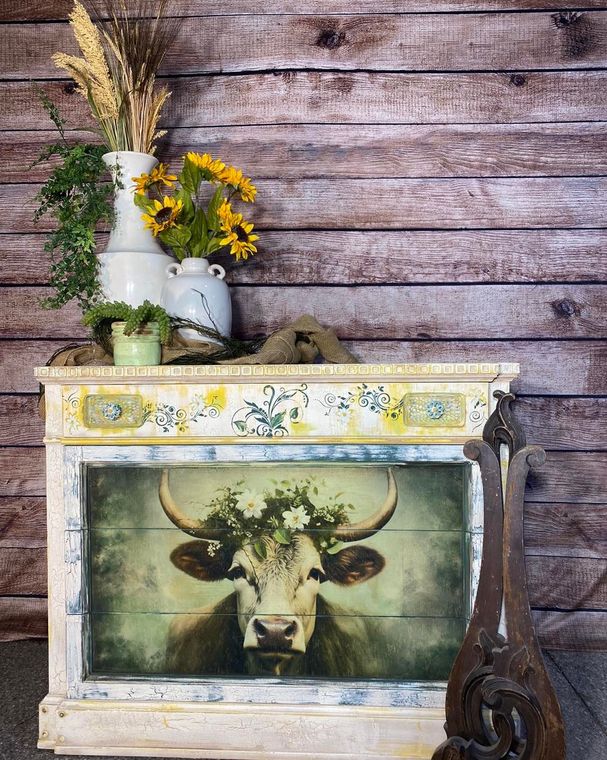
[[173, 511], [370, 526]]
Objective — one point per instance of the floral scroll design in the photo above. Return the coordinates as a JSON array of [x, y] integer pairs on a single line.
[[71, 406], [376, 400], [168, 416], [478, 412], [271, 417], [423, 409]]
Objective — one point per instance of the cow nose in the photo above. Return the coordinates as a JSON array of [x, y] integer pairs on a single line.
[[275, 633]]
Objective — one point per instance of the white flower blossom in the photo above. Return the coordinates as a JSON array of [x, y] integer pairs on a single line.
[[251, 504], [296, 518], [212, 547]]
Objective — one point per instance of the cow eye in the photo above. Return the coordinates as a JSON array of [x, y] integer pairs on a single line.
[[235, 573], [315, 574]]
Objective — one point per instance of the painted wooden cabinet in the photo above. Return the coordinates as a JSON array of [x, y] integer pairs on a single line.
[[259, 562]]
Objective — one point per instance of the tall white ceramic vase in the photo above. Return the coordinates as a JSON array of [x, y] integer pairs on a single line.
[[133, 266], [196, 291]]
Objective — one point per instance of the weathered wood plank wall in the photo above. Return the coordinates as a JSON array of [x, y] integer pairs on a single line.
[[433, 183]]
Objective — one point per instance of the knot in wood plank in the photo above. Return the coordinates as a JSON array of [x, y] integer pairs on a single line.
[[566, 18], [331, 39], [566, 308], [69, 88], [518, 80]]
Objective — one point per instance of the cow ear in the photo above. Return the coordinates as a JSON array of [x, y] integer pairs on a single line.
[[194, 559], [354, 564]]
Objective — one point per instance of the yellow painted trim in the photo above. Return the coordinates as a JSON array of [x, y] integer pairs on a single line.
[[235, 441]]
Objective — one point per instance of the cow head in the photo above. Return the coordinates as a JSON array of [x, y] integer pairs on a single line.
[[277, 589]]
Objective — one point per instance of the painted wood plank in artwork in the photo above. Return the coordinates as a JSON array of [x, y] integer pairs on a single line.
[[22, 618], [386, 42], [59, 9], [376, 257], [295, 97], [449, 311], [562, 424], [557, 529], [557, 582], [395, 204], [25, 617], [304, 151], [573, 477]]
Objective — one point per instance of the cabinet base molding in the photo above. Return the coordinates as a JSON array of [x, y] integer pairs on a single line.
[[237, 732]]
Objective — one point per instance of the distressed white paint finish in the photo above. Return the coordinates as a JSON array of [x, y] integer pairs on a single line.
[[229, 718], [254, 732]]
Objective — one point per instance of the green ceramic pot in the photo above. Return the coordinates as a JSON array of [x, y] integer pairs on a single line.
[[140, 348]]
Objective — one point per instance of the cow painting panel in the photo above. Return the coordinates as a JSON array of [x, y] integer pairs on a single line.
[[315, 570]]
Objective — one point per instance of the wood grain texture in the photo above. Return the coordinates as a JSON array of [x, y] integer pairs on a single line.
[[569, 476], [393, 204], [567, 530], [573, 477], [22, 472], [573, 424], [450, 311], [23, 571], [295, 97], [59, 9], [386, 42], [562, 367], [567, 424], [303, 151], [579, 630], [557, 529], [375, 257], [22, 522], [22, 618], [554, 367], [561, 582], [567, 583]]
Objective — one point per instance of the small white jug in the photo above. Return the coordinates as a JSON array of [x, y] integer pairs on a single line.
[[196, 291]]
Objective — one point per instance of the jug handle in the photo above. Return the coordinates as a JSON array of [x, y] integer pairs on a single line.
[[217, 270], [173, 269]]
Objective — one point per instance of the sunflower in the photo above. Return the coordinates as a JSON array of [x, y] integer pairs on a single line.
[[232, 176], [163, 215], [213, 167], [158, 176], [237, 233]]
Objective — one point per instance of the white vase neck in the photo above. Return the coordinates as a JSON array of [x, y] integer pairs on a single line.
[[130, 164], [191, 264]]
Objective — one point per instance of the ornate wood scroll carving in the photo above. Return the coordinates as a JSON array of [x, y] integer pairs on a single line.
[[500, 702]]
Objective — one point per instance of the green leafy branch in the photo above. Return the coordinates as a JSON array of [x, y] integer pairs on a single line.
[[78, 199]]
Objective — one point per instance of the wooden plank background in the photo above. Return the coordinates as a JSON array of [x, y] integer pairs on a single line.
[[433, 184]]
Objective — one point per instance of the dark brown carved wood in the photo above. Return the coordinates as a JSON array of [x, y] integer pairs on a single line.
[[500, 701]]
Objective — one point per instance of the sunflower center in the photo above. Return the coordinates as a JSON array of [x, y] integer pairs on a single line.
[[164, 215], [241, 234]]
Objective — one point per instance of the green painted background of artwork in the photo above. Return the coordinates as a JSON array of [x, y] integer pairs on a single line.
[[416, 602]]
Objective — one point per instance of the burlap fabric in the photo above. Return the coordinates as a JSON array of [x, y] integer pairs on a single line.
[[301, 342]]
